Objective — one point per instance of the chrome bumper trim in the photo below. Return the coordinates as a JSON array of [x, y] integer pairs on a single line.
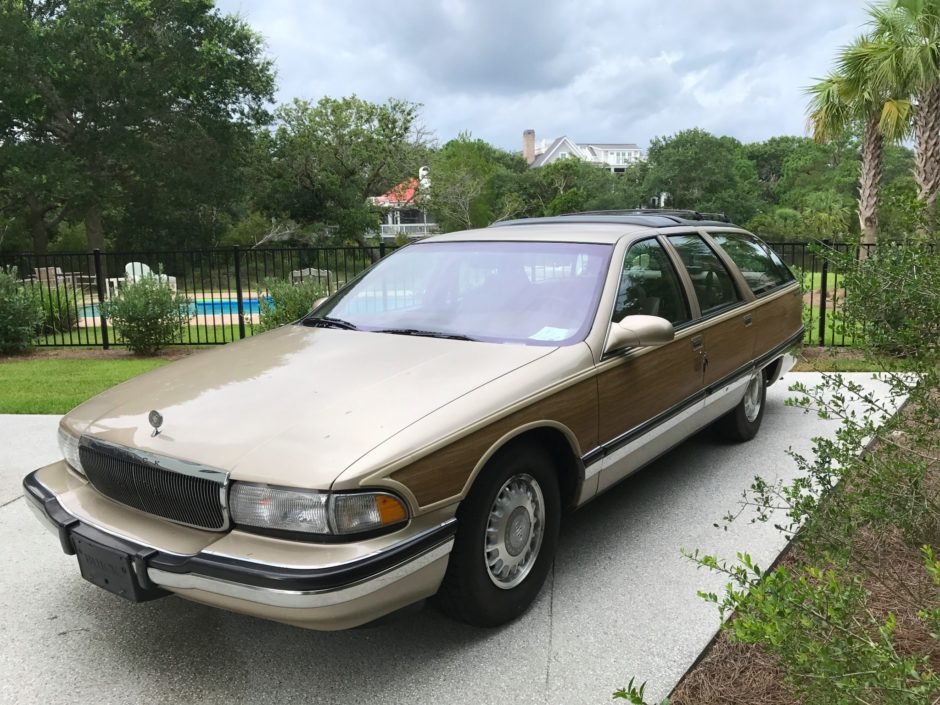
[[297, 599]]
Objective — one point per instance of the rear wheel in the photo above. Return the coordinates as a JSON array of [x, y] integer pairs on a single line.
[[743, 422], [507, 532]]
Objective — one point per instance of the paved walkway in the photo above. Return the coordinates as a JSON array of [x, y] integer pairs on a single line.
[[621, 603]]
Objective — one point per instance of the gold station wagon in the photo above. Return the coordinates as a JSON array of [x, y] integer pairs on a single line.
[[422, 430]]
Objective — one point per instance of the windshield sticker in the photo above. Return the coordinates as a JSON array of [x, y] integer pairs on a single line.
[[550, 333]]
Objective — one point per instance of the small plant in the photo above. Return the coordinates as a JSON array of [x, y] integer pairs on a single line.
[[20, 312], [147, 314], [286, 302], [59, 308]]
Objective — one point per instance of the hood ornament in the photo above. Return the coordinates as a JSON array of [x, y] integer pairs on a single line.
[[156, 420]]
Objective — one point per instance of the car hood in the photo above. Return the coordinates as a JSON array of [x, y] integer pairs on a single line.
[[296, 406]]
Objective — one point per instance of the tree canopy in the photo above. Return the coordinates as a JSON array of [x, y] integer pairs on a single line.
[[124, 111]]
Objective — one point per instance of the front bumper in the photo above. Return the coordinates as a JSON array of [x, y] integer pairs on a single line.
[[330, 596]]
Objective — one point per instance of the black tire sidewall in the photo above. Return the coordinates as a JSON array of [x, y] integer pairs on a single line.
[[746, 429], [481, 602]]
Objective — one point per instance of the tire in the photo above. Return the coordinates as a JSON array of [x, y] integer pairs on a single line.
[[742, 423], [479, 587]]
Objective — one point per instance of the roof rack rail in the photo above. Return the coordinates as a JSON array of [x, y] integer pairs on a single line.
[[689, 214]]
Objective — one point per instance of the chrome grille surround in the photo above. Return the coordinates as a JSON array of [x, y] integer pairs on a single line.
[[177, 490]]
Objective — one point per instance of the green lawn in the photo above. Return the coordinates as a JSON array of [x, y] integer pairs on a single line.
[[49, 386]]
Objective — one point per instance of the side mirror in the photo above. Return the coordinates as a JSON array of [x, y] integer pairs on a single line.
[[639, 331], [319, 302]]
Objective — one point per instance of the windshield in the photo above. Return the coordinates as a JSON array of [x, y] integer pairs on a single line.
[[535, 293]]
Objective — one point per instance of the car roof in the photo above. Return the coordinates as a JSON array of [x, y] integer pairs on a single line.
[[595, 226]]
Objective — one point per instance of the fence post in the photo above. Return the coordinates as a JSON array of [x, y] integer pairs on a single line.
[[238, 286], [824, 277], [102, 289], [381, 248]]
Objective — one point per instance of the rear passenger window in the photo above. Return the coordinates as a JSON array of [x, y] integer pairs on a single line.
[[761, 267], [650, 286], [713, 284]]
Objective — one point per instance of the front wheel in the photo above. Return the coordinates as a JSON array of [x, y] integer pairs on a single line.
[[743, 422], [507, 532]]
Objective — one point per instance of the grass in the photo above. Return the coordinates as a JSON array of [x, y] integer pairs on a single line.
[[50, 386]]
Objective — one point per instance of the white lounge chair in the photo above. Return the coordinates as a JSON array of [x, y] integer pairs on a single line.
[[135, 271]]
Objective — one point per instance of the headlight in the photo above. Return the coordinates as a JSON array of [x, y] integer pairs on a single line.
[[68, 444], [312, 512]]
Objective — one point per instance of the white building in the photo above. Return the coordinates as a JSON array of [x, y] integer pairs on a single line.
[[616, 157]]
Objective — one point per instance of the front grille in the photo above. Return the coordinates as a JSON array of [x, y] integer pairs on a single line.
[[181, 492]]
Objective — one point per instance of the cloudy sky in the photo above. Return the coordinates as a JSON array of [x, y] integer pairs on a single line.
[[597, 71]]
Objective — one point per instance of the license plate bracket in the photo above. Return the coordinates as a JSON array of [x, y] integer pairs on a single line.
[[110, 569]]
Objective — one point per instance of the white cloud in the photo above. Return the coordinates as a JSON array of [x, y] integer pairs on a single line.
[[607, 71]]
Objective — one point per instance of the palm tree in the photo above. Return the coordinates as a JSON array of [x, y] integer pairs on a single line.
[[848, 97], [904, 58]]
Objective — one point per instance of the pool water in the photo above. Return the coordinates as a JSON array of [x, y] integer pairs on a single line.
[[200, 307]]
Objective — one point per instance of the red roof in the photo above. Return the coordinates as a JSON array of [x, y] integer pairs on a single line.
[[402, 194]]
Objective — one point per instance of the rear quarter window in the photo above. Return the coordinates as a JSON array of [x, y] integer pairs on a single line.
[[760, 266]]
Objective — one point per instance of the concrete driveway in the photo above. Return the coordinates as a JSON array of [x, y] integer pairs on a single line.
[[621, 602]]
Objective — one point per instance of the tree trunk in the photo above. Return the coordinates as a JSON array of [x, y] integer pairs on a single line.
[[868, 183], [36, 220], [94, 230], [927, 156], [39, 231]]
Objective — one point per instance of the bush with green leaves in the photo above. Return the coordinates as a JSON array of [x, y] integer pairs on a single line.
[[147, 314], [59, 308], [285, 302], [20, 312]]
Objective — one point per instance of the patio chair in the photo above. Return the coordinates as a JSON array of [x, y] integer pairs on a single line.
[[50, 276], [135, 271], [322, 275]]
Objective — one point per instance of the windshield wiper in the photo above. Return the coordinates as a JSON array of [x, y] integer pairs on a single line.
[[425, 333], [328, 322]]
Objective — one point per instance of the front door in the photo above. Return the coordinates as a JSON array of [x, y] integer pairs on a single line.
[[645, 393]]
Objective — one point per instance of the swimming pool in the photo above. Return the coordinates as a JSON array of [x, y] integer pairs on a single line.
[[199, 307]]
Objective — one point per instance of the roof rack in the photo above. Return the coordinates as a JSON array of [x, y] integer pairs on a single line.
[[688, 214]]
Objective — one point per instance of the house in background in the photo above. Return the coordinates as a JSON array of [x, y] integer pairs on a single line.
[[615, 157], [401, 212]]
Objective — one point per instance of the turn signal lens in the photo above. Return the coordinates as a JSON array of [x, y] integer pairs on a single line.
[[354, 513]]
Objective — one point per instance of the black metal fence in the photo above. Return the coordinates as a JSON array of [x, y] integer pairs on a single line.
[[225, 287]]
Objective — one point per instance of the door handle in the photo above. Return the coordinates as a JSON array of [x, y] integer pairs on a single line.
[[748, 319], [697, 341]]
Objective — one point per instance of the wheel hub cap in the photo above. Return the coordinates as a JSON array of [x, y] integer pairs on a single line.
[[514, 531], [752, 398]]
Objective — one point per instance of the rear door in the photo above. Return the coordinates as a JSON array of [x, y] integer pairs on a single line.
[[726, 335]]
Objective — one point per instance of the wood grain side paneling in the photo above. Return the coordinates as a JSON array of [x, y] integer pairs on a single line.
[[729, 345], [445, 472], [642, 387], [777, 320]]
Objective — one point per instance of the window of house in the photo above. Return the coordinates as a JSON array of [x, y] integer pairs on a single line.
[[650, 286], [762, 269], [713, 285]]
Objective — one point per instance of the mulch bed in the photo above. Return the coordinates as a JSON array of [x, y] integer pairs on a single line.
[[731, 673]]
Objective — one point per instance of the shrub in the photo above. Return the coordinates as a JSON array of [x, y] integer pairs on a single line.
[[59, 308], [147, 314], [20, 312], [286, 302]]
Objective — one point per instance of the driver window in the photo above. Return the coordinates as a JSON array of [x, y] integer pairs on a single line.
[[649, 285]]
